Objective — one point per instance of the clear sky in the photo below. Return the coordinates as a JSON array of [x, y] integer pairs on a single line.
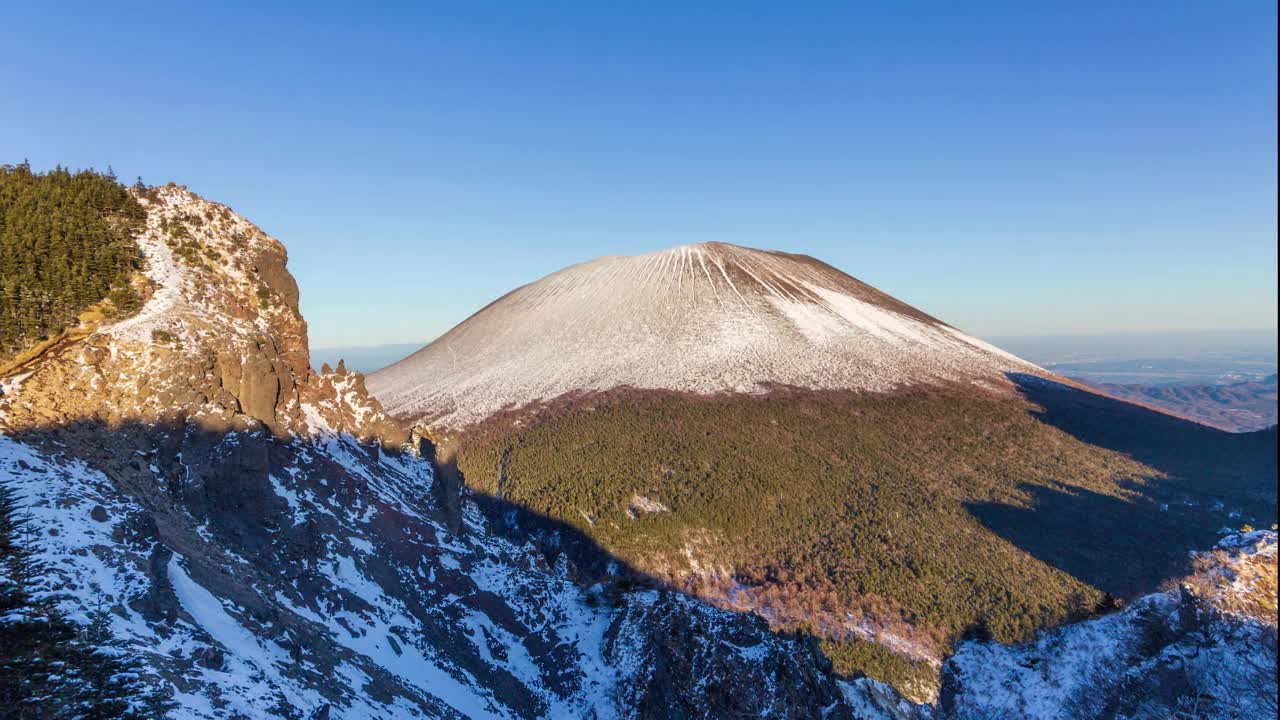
[[1013, 168]]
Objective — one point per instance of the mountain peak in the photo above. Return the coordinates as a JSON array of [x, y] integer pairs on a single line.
[[705, 318]]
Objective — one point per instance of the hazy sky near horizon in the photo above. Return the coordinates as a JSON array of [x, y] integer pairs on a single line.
[[1013, 168]]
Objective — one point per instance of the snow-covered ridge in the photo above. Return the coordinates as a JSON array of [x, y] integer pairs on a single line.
[[705, 318], [1182, 653], [229, 245]]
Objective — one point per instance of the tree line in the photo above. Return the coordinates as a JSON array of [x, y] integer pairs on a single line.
[[67, 241]]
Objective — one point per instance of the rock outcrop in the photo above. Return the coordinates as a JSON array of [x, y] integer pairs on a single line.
[[1205, 648], [220, 341]]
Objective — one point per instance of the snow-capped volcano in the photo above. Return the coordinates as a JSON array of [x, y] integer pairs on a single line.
[[704, 318]]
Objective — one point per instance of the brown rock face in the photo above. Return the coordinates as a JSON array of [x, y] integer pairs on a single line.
[[219, 342], [260, 385], [270, 267], [229, 374], [348, 407]]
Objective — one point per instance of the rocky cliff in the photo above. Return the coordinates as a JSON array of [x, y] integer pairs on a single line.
[[1205, 648], [220, 340]]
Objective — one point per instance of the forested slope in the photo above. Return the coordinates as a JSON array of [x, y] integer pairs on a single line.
[[891, 525], [66, 243]]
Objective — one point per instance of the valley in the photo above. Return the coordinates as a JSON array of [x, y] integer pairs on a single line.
[[1242, 406]]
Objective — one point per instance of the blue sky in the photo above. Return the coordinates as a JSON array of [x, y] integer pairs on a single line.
[[1013, 168]]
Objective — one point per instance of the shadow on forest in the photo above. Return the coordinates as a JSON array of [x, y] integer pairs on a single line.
[[588, 561], [1129, 546]]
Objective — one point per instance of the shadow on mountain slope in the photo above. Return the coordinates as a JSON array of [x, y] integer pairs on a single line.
[[343, 555], [228, 504], [1236, 468], [226, 479], [1203, 473], [1106, 534], [587, 560]]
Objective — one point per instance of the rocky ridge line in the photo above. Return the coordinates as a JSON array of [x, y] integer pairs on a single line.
[[220, 341]]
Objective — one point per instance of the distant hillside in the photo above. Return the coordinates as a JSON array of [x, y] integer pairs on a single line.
[[1239, 407], [889, 524]]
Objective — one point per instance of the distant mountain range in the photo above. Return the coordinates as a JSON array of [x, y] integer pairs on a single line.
[[1238, 407], [1152, 358]]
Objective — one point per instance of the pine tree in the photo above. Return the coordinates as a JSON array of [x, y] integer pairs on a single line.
[[106, 681]]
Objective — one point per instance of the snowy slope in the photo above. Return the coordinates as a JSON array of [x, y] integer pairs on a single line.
[[702, 318], [1181, 653], [387, 615], [350, 597]]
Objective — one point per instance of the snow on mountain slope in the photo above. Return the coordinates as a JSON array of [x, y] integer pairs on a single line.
[[1188, 652], [702, 318]]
